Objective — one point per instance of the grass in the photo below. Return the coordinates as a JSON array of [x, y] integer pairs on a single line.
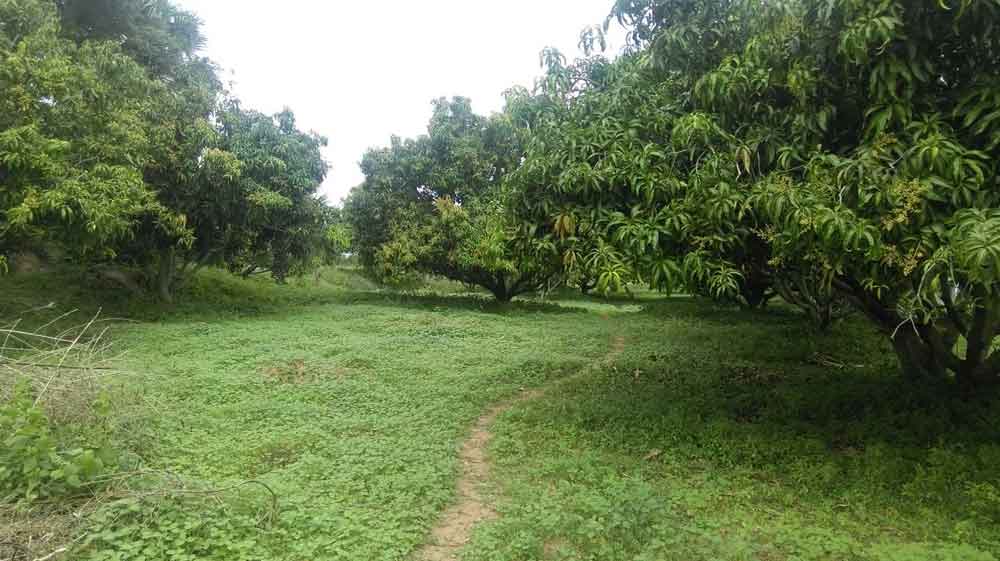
[[729, 436], [715, 435]]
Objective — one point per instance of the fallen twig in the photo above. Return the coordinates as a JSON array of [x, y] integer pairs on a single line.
[[53, 554], [56, 366]]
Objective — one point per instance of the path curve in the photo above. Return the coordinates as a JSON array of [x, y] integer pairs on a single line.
[[454, 529]]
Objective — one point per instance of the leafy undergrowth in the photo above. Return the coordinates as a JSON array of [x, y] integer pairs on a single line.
[[351, 413], [63, 421], [311, 421], [744, 437], [322, 420]]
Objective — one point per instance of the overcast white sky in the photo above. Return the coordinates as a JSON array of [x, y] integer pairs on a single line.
[[358, 71]]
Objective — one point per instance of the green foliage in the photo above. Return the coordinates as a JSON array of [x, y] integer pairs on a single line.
[[33, 464], [72, 138], [829, 151], [435, 205], [118, 142], [171, 528], [622, 206], [708, 437], [241, 184], [358, 442], [280, 170], [156, 33], [338, 237], [737, 149]]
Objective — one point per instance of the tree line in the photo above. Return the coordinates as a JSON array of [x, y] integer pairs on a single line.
[[839, 154], [121, 147]]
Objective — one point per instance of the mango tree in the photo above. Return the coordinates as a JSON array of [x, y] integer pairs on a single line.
[[865, 136], [233, 187], [623, 177], [895, 201], [434, 205], [73, 140]]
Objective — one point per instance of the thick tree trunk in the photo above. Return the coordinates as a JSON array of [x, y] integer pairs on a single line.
[[822, 318], [757, 285], [501, 292], [979, 337], [755, 296], [927, 350], [166, 274], [981, 366], [503, 297], [917, 359], [986, 374], [756, 289], [929, 356], [504, 289]]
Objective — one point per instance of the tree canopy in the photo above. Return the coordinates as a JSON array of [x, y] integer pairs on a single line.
[[73, 141], [119, 143], [435, 205], [843, 148]]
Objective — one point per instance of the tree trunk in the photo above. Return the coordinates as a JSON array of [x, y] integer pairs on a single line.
[[926, 350], [501, 293], [755, 296], [987, 374], [979, 368], [823, 318], [917, 359], [822, 306], [500, 289], [756, 288], [165, 275]]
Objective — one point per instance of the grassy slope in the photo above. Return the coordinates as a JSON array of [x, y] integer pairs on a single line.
[[715, 435]]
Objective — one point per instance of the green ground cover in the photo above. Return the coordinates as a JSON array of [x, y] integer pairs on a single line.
[[322, 420]]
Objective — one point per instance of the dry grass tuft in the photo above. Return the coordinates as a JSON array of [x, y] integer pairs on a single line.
[[294, 372]]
